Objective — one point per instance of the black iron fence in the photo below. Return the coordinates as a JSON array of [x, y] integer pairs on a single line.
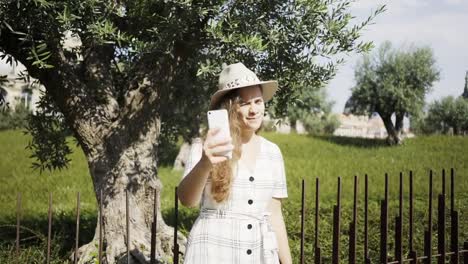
[[455, 254]]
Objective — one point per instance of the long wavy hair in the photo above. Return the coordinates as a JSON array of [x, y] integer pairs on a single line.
[[222, 174]]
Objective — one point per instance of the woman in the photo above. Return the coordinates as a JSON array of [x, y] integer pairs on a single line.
[[240, 217]]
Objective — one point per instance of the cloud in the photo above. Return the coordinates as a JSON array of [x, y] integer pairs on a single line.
[[454, 2]]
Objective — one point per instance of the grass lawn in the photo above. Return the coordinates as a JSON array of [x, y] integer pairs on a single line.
[[305, 157]]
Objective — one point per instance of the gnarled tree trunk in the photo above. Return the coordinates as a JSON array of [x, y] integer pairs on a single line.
[[118, 130], [393, 137], [127, 163]]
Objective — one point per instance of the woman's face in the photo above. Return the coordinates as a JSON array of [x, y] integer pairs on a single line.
[[251, 108]]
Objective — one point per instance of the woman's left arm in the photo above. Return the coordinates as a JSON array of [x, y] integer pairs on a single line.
[[277, 223]]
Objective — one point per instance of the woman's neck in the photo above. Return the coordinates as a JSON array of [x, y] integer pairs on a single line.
[[247, 136]]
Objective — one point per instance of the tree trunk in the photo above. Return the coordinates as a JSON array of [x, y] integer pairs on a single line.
[[127, 162], [393, 137], [118, 134], [293, 125], [399, 123]]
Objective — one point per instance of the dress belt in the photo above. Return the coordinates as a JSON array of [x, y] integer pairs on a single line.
[[269, 245]]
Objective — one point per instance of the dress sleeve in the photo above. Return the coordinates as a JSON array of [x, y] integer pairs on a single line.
[[280, 187], [194, 156]]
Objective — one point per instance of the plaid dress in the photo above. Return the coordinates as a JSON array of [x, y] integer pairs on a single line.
[[237, 230]]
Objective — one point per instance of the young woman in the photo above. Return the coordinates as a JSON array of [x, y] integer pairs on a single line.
[[240, 217]]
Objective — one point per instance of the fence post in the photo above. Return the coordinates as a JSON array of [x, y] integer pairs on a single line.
[[153, 228], [18, 219], [412, 252], [399, 225], [428, 233], [441, 223], [352, 226], [77, 232], [411, 223], [384, 224], [465, 253], [454, 221], [317, 257], [366, 219], [302, 220], [336, 226], [100, 228], [176, 220], [414, 257], [127, 218], [49, 229]]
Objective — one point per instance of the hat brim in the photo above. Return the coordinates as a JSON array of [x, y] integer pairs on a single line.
[[269, 89]]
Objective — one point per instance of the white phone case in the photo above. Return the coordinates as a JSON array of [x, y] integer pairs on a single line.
[[219, 118]]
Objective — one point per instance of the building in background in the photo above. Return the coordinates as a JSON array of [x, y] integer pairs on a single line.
[[366, 127], [16, 91]]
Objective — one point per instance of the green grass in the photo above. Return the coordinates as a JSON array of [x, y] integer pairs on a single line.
[[305, 157]]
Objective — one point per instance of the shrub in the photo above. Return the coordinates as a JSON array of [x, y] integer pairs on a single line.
[[14, 118]]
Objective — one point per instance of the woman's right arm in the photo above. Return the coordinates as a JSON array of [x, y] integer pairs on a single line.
[[191, 187]]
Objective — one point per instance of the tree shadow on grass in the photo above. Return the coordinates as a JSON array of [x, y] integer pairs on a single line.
[[354, 142], [34, 230]]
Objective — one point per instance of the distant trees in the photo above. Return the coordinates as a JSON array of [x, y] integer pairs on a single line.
[[393, 82], [314, 111], [13, 118], [449, 115]]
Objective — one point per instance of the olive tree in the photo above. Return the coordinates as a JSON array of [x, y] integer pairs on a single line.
[[122, 75], [393, 82]]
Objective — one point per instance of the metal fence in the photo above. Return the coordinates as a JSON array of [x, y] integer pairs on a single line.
[[454, 255]]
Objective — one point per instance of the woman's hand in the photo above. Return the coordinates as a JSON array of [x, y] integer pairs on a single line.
[[215, 146]]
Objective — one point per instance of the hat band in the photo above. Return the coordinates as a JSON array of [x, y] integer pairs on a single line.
[[241, 82]]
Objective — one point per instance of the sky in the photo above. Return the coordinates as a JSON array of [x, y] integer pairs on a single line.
[[439, 24]]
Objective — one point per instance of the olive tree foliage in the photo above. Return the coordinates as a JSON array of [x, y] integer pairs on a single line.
[[448, 115], [393, 82], [141, 72]]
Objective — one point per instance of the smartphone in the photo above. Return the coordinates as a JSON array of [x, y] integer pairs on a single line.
[[219, 118]]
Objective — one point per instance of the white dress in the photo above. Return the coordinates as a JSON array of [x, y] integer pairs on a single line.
[[237, 230]]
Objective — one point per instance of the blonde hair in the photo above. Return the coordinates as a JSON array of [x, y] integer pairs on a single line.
[[222, 174]]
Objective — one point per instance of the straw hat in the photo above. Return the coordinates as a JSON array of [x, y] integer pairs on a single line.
[[237, 76]]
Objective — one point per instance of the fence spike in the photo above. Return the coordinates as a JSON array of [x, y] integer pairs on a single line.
[[384, 224], [441, 229], [302, 222], [127, 218], [366, 218], [399, 225], [18, 220], [317, 259], [411, 209], [465, 253], [154, 228], [336, 226], [352, 226], [77, 232], [176, 245], [428, 233], [49, 229], [454, 259], [100, 227]]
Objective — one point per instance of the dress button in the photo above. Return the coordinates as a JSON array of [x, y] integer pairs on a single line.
[[250, 202], [251, 178], [249, 251], [249, 226]]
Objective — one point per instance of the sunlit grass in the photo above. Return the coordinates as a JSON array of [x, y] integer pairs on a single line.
[[305, 157]]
